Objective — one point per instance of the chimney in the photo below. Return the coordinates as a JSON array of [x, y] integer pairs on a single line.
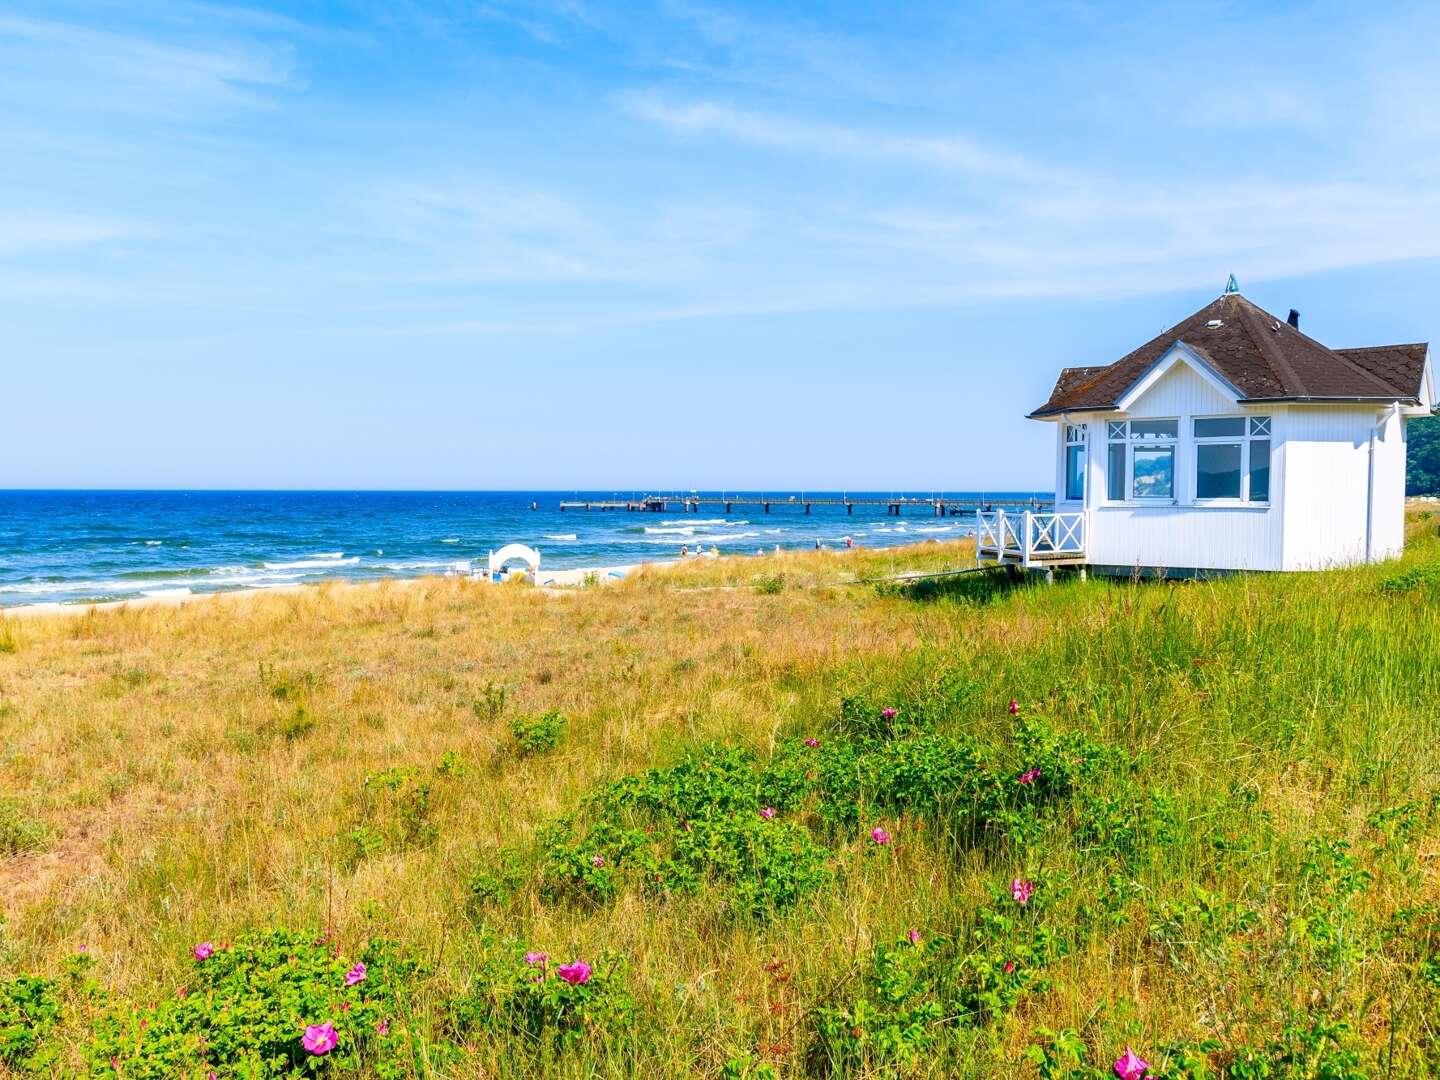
[[1294, 319]]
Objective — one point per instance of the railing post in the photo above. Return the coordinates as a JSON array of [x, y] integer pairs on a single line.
[[1025, 548]]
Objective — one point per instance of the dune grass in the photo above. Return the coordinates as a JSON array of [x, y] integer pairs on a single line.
[[1229, 830]]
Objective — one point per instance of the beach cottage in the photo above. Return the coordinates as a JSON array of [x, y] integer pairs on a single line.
[[1230, 442]]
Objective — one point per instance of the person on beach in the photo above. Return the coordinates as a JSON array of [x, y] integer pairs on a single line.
[[684, 551], [714, 551]]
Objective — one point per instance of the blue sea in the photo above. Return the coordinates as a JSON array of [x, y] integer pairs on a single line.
[[86, 546]]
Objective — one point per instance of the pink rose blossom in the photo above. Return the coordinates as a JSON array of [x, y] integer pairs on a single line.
[[1014, 707], [355, 975], [914, 936], [1009, 967], [879, 835], [598, 860], [533, 958], [1021, 889], [887, 714], [204, 951], [1029, 776], [383, 1027], [576, 974], [812, 743], [319, 1038], [1131, 1066], [767, 812]]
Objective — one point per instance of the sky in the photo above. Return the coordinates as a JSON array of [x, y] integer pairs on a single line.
[[575, 245]]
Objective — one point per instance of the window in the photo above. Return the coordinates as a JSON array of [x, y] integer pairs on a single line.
[[1232, 458], [1140, 461], [1075, 462]]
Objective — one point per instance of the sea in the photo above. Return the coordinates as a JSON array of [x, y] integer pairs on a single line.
[[75, 547]]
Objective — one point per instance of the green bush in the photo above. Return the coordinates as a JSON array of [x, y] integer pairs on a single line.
[[537, 734], [29, 1012], [528, 996], [246, 1008], [915, 993]]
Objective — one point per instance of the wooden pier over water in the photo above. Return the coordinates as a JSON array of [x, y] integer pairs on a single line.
[[938, 505]]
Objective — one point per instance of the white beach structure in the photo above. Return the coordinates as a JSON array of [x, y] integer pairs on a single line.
[[498, 562], [1230, 442]]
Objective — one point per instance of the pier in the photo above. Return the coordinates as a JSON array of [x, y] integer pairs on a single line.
[[937, 505]]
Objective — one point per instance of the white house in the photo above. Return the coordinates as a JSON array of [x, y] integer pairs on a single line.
[[1230, 442]]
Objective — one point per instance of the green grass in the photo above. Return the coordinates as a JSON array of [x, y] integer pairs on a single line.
[[1225, 796]]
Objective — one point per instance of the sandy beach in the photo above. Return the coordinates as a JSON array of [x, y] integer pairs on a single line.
[[557, 580]]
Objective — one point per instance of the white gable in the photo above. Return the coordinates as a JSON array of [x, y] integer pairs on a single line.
[[1179, 383]]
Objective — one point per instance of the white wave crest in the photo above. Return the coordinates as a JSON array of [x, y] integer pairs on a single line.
[[320, 563]]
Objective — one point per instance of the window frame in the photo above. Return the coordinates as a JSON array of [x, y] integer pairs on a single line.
[[1257, 427], [1075, 435], [1133, 442]]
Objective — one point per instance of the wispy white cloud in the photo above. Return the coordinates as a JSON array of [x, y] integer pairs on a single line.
[[952, 152], [43, 232], [51, 63]]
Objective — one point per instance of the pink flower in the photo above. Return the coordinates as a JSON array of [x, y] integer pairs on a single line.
[[1021, 889], [576, 974], [1009, 967], [914, 936], [533, 958], [598, 860], [879, 835], [82, 949], [319, 1038], [1014, 707], [382, 1028], [204, 951], [1029, 776], [355, 975], [767, 812], [1131, 1066], [887, 714], [812, 743]]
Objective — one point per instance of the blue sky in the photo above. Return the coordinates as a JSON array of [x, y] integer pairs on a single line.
[[572, 244]]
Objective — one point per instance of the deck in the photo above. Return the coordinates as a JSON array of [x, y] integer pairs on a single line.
[[1030, 538]]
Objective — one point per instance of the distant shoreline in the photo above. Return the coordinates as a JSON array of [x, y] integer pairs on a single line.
[[547, 579]]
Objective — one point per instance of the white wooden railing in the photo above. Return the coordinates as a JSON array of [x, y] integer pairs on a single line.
[[1029, 538]]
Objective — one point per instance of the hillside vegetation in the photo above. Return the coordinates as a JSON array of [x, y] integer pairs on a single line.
[[745, 818]]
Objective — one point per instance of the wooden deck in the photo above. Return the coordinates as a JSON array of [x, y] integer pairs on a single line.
[[1031, 538]]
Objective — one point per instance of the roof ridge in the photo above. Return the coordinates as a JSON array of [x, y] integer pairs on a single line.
[[1376, 348], [1278, 364]]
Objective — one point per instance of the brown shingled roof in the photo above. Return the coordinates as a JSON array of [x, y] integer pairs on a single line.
[[1262, 357]]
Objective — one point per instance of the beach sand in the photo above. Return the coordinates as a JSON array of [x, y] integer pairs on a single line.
[[546, 580]]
